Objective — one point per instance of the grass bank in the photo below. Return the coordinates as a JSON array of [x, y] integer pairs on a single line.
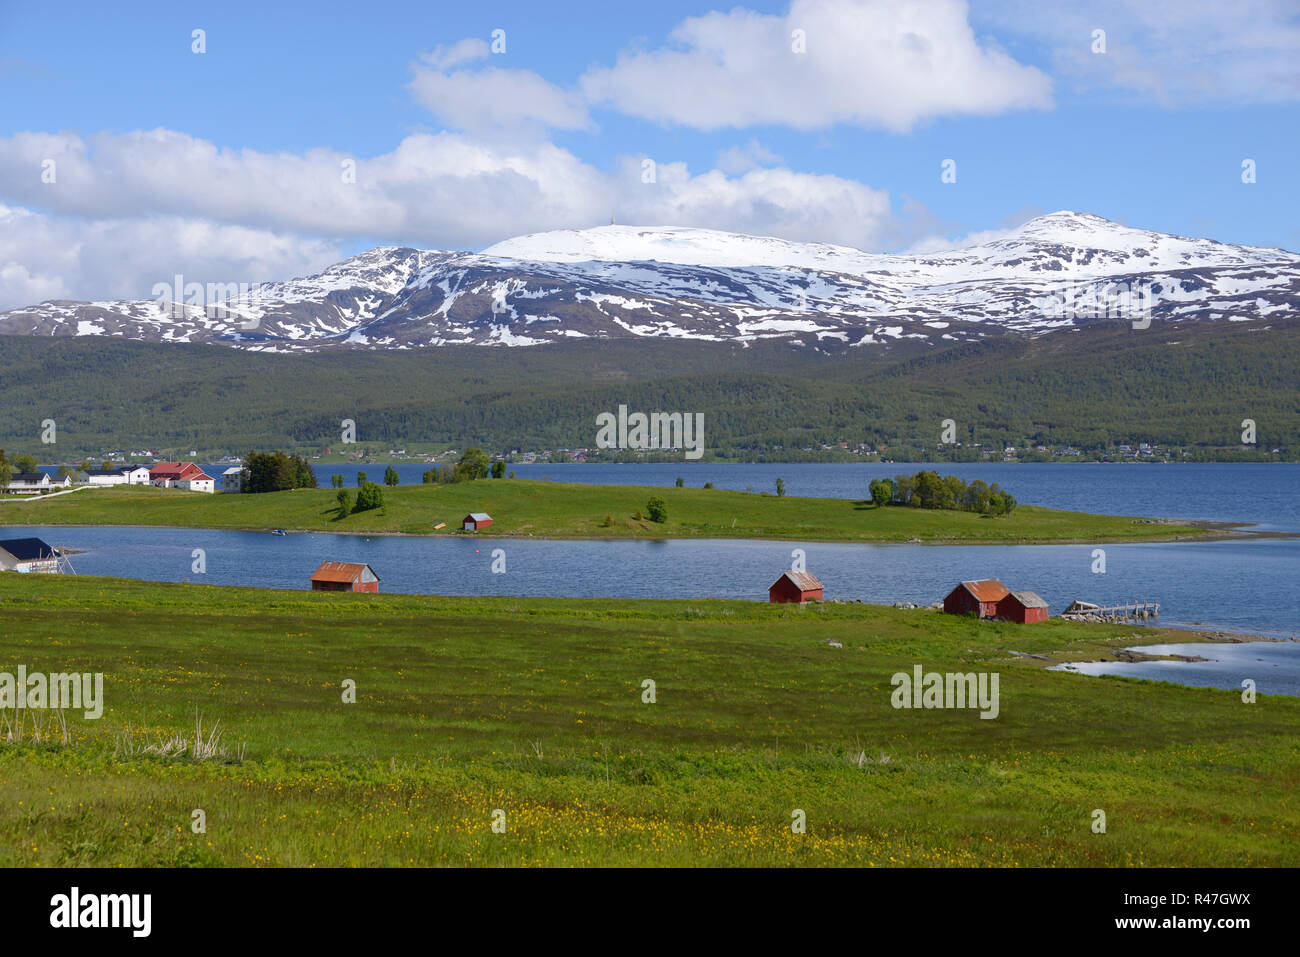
[[535, 707], [567, 510]]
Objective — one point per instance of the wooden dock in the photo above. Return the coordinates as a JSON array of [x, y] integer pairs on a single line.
[[1129, 611]]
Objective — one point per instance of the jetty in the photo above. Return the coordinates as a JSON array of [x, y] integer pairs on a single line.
[[1129, 611]]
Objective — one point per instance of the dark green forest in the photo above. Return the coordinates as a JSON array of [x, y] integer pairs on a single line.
[[1187, 385]]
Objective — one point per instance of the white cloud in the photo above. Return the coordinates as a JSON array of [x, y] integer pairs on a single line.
[[873, 63], [491, 97], [446, 190], [1173, 52], [741, 159], [62, 257], [767, 202]]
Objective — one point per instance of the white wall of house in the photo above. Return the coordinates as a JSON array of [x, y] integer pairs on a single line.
[[138, 476], [197, 485]]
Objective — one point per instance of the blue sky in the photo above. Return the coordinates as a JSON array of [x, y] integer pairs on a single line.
[[227, 160]]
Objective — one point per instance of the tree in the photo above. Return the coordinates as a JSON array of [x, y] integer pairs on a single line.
[[276, 472], [780, 487], [472, 465], [882, 491], [657, 510], [680, 481], [337, 480], [6, 473], [345, 502], [25, 463], [361, 479], [976, 498], [903, 489], [369, 496], [499, 469], [430, 477], [391, 478]]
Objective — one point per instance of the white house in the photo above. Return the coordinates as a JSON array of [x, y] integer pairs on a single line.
[[32, 483], [183, 475], [136, 474], [232, 479]]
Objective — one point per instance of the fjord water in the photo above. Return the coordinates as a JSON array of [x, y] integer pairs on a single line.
[[1264, 494], [1236, 585]]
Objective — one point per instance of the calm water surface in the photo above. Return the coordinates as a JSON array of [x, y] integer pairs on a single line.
[[1241, 585]]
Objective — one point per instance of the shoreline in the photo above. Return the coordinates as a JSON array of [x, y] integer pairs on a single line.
[[1218, 532]]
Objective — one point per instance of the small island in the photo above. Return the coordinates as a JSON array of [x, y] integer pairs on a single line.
[[543, 509]]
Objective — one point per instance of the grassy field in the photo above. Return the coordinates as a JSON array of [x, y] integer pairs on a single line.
[[534, 707], [565, 510]]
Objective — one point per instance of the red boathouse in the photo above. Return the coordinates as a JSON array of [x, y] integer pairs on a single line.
[[1022, 607], [979, 598], [795, 586], [344, 576]]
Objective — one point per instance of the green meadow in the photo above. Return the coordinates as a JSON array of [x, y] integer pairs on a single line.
[[536, 708], [566, 510]]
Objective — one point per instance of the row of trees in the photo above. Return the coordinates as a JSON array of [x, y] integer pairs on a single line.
[[931, 490], [391, 479], [369, 496], [276, 472], [473, 465]]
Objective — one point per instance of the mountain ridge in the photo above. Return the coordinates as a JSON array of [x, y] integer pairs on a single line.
[[683, 282]]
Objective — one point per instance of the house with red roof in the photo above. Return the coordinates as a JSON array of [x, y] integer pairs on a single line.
[[183, 475]]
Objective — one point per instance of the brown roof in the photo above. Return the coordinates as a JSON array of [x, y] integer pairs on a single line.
[[987, 589], [803, 581], [339, 572], [1029, 599]]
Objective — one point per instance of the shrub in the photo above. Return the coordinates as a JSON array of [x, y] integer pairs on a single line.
[[369, 496], [657, 510]]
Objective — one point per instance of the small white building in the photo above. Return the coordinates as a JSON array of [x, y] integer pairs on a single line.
[[106, 477], [136, 474], [232, 480]]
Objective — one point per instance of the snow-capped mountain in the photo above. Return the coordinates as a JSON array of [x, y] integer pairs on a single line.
[[620, 281]]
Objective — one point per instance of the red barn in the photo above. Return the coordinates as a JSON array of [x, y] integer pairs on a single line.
[[795, 586], [978, 598], [475, 520], [1022, 607], [344, 576]]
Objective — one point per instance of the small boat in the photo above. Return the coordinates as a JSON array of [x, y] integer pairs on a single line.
[[279, 531]]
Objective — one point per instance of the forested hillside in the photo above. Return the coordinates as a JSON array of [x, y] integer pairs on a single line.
[[1188, 385]]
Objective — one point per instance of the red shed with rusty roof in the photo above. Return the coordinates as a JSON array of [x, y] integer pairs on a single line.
[[795, 586], [344, 576], [979, 598], [1022, 607]]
